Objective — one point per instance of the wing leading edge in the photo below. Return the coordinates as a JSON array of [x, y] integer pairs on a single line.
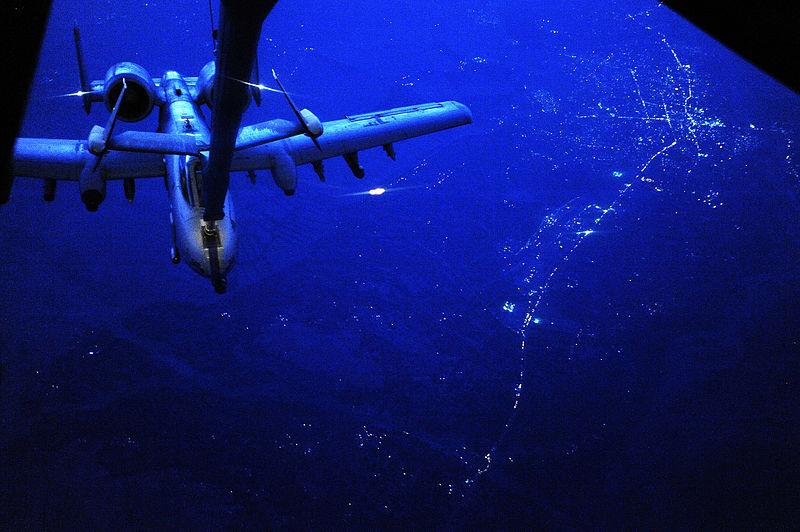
[[65, 159], [347, 137], [278, 145]]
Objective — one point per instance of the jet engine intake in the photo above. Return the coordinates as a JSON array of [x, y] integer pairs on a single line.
[[140, 95]]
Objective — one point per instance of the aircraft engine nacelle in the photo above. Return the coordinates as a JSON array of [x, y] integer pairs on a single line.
[[284, 171], [205, 84], [140, 96]]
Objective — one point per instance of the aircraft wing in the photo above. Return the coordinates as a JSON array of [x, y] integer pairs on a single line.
[[347, 137], [65, 159], [277, 145]]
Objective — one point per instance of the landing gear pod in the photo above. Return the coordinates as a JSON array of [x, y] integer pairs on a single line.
[[140, 95], [92, 187], [284, 171]]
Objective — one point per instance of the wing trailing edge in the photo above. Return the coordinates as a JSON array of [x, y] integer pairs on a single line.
[[64, 159], [349, 136], [359, 132], [266, 145]]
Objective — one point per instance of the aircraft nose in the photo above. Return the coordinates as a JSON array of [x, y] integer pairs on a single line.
[[219, 246], [220, 284]]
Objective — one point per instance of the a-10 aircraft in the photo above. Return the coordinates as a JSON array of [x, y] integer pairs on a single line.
[[195, 159]]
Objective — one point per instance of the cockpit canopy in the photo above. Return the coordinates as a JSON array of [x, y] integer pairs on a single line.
[[191, 171]]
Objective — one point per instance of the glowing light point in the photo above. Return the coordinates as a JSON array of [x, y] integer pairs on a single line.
[[536, 321], [376, 191], [617, 173], [258, 86], [78, 93], [508, 306]]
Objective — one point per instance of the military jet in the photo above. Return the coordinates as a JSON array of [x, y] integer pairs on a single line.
[[194, 157]]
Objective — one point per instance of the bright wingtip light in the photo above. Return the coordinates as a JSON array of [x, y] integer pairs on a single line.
[[79, 93], [373, 192], [258, 86]]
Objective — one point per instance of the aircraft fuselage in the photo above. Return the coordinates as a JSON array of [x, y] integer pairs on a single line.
[[209, 248]]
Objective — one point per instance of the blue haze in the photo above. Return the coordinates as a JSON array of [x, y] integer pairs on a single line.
[[577, 312]]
